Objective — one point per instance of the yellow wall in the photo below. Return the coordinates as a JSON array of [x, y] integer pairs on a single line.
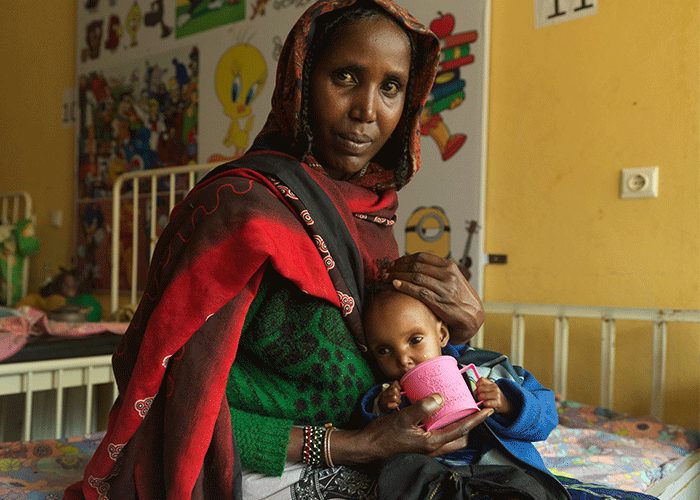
[[570, 105], [37, 50]]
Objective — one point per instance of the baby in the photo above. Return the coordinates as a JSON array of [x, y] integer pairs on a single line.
[[402, 332]]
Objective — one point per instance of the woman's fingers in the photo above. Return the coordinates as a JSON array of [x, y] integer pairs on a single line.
[[401, 432], [421, 409], [441, 286], [408, 262]]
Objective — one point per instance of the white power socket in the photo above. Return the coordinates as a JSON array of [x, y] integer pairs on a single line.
[[639, 182], [56, 218]]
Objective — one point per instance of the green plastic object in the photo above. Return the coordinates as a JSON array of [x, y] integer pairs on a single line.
[[89, 302]]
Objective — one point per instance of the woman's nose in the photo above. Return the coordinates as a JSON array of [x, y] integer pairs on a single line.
[[364, 106]]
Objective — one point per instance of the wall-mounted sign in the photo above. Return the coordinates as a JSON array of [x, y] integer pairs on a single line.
[[557, 11]]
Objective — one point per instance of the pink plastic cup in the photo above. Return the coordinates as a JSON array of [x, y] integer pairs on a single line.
[[441, 375]]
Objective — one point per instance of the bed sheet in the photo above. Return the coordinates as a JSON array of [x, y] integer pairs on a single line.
[[41, 470], [597, 445], [593, 445], [18, 325]]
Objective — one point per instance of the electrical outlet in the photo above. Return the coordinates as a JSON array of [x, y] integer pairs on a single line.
[[56, 218], [639, 182]]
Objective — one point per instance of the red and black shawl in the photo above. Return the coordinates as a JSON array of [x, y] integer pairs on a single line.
[[169, 431]]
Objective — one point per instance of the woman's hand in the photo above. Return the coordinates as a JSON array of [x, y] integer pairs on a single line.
[[440, 285], [400, 432]]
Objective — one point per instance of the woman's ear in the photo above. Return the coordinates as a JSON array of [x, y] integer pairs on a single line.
[[444, 334]]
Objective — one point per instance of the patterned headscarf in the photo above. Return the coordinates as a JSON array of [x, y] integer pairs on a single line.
[[283, 129]]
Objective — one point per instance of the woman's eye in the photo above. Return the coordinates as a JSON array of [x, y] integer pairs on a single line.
[[392, 88], [416, 340], [344, 76]]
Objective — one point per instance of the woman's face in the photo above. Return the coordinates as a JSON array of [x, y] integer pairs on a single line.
[[358, 89]]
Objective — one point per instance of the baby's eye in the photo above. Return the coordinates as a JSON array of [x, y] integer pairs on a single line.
[[392, 88], [382, 351], [416, 340]]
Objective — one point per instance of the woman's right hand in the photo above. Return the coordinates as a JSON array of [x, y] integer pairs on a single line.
[[400, 432]]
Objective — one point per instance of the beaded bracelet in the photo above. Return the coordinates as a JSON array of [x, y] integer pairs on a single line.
[[327, 445], [313, 442]]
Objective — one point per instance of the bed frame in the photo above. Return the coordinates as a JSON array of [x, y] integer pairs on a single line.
[[87, 372]]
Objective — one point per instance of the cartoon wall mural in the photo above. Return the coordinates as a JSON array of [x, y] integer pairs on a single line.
[[166, 82], [194, 16], [442, 207], [136, 117], [93, 40], [154, 17], [133, 23], [428, 230], [92, 244], [114, 33], [258, 8], [132, 117], [240, 77], [448, 91]]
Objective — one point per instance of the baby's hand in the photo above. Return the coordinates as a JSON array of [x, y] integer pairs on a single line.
[[390, 398], [491, 395]]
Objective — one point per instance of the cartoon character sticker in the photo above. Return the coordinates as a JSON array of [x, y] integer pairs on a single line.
[[137, 116], [194, 16], [133, 23], [258, 8], [93, 40], [428, 230], [448, 90], [239, 78], [114, 33], [154, 17]]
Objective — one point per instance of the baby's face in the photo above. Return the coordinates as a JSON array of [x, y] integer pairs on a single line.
[[402, 332]]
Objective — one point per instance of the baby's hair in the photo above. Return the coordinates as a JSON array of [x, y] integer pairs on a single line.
[[376, 288], [327, 29]]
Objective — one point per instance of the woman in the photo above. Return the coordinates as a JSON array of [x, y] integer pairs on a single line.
[[251, 314]]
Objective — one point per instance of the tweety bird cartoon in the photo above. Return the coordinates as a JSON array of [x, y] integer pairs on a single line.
[[240, 77]]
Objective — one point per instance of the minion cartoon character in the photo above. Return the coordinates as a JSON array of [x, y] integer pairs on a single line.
[[133, 23], [240, 77], [428, 230]]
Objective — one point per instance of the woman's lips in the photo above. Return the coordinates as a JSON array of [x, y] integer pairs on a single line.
[[355, 144]]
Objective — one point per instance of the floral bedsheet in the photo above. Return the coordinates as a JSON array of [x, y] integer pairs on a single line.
[[597, 445], [41, 470], [591, 444]]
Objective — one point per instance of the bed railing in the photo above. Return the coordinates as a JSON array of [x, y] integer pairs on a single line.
[[13, 208], [173, 177], [38, 379], [658, 320]]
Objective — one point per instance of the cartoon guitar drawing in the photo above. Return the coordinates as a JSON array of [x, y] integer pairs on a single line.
[[465, 262]]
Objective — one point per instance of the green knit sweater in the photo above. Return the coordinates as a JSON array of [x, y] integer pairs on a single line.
[[297, 364]]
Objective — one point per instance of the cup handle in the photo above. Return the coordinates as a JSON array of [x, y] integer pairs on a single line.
[[472, 367]]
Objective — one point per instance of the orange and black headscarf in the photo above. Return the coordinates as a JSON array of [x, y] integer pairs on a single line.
[[287, 127]]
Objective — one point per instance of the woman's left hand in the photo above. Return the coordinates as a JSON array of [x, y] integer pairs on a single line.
[[440, 285]]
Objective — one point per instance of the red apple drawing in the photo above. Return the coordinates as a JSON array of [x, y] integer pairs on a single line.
[[443, 25]]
